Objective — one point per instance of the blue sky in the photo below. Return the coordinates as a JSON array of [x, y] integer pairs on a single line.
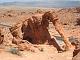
[[1, 1]]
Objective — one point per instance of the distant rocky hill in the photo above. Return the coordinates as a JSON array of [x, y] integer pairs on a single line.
[[50, 4]]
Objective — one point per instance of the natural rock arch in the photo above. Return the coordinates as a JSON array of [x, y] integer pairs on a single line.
[[39, 32]]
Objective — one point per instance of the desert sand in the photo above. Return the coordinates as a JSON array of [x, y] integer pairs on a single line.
[[10, 16]]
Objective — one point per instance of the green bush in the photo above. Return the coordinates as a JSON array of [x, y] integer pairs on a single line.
[[15, 51]]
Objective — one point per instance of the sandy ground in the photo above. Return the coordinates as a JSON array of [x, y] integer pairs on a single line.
[[49, 53]]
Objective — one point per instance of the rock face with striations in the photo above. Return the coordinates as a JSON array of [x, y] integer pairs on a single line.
[[35, 32]]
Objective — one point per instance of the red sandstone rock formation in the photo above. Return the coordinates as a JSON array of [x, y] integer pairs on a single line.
[[36, 31], [55, 20]]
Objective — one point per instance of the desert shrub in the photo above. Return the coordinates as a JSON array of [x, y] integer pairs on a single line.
[[65, 24], [9, 15], [39, 11], [78, 9], [78, 21], [41, 49], [15, 51], [73, 40]]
